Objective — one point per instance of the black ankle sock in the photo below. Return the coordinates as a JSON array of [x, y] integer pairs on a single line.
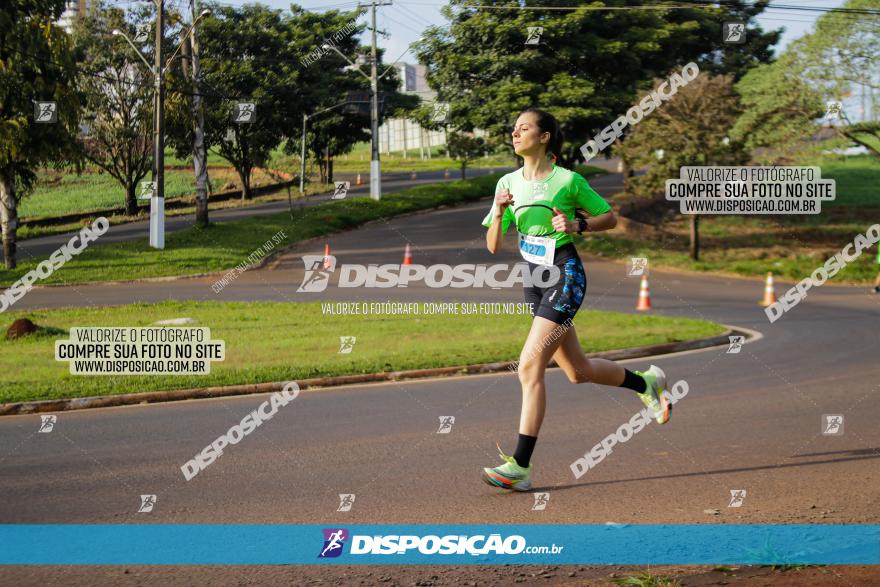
[[525, 445], [634, 382]]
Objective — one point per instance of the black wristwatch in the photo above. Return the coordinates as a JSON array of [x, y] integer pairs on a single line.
[[582, 225]]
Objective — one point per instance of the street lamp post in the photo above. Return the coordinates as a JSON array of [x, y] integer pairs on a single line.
[[157, 199], [302, 158], [375, 169]]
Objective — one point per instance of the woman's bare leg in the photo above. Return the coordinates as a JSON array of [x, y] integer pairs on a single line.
[[544, 338], [547, 340], [579, 369]]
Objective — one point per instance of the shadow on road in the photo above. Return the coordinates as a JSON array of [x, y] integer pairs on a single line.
[[860, 454]]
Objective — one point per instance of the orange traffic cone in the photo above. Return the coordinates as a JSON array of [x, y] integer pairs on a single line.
[[644, 295], [328, 264], [359, 181], [446, 174], [769, 291], [407, 255]]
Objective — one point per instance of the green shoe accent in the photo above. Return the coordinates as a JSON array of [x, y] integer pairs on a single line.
[[509, 475], [653, 398]]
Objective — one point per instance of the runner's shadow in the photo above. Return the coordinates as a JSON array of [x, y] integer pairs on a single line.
[[853, 451], [858, 454]]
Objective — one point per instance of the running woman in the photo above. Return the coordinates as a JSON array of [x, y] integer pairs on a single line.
[[540, 199]]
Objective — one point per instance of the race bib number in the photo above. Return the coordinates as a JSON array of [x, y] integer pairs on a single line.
[[537, 249]]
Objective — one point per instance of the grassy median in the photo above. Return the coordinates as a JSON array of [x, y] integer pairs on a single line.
[[279, 341]]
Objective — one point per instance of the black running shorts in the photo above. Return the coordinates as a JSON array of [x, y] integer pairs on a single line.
[[559, 302]]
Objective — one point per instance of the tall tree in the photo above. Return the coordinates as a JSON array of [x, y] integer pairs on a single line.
[[844, 48], [332, 80], [36, 65], [587, 65], [243, 62], [738, 59], [779, 109], [464, 147], [192, 69], [784, 99], [118, 100], [842, 55], [185, 100], [334, 133], [185, 109], [246, 59], [692, 129]]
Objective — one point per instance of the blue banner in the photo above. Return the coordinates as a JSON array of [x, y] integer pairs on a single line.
[[209, 544]]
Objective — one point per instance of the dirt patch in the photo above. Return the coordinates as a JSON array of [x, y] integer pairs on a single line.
[[435, 575]]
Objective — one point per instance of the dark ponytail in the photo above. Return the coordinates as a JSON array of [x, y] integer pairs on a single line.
[[548, 123]]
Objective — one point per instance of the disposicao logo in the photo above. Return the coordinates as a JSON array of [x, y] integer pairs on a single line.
[[334, 540], [319, 269], [433, 544]]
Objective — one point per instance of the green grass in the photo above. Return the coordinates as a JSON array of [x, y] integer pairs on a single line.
[[65, 192], [281, 195], [358, 161], [68, 193], [769, 552], [646, 579], [856, 179], [224, 245], [779, 255], [304, 343]]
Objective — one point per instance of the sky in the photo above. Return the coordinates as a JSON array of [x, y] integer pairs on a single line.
[[404, 20]]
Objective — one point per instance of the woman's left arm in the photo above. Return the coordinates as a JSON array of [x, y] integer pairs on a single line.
[[605, 221], [585, 197]]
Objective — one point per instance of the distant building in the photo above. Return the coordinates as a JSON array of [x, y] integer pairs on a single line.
[[407, 75], [400, 134], [72, 9], [421, 82]]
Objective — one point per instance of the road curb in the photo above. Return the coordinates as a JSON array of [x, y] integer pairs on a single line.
[[105, 401]]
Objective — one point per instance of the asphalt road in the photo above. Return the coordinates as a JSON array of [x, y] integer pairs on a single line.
[[751, 421]]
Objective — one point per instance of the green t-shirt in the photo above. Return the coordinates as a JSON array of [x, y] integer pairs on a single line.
[[533, 202]]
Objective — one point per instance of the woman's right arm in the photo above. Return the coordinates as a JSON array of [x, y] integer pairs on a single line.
[[493, 234]]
